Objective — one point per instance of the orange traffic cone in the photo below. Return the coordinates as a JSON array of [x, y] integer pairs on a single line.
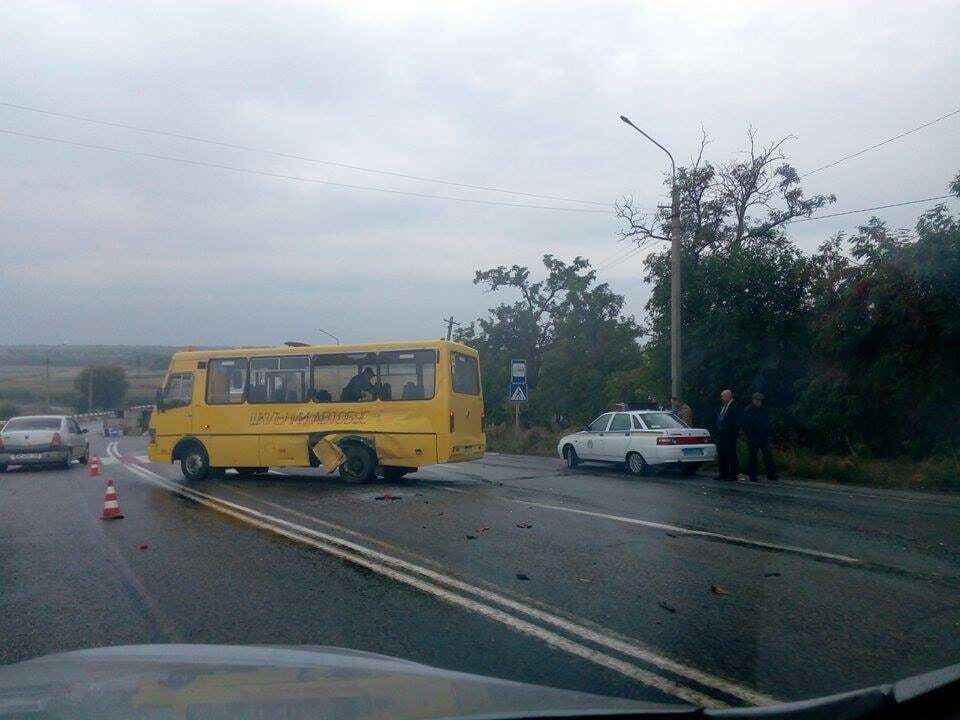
[[93, 466], [111, 508]]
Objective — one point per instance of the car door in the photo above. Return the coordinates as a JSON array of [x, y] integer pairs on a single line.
[[77, 440], [590, 445], [616, 441]]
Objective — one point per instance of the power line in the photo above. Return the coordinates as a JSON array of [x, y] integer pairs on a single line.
[[297, 178], [291, 156], [881, 143], [869, 209], [642, 245]]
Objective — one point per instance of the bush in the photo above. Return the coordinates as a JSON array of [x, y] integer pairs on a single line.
[[8, 410]]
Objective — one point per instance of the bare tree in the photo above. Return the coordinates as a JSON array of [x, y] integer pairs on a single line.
[[726, 205]]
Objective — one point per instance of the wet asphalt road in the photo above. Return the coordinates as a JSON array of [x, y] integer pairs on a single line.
[[656, 588]]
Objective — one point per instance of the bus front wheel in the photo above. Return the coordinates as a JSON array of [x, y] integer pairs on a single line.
[[194, 462], [359, 464]]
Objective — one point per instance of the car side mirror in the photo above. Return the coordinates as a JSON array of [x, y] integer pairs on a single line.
[[586, 428], [159, 401]]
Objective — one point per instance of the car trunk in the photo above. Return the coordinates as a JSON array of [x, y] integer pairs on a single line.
[[28, 440]]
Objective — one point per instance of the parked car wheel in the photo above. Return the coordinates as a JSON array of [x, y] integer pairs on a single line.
[[636, 465], [570, 455], [86, 456]]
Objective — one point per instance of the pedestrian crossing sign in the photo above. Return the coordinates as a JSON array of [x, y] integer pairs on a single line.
[[519, 394]]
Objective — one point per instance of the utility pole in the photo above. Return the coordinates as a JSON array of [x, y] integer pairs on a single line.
[[46, 383], [675, 270], [450, 323], [90, 391]]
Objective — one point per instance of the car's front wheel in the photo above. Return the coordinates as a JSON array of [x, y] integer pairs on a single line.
[[571, 457], [636, 465]]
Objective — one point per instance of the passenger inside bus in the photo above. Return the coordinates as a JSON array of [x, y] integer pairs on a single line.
[[360, 383]]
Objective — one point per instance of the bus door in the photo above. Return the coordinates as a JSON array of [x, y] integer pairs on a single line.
[[222, 421], [466, 405], [174, 416]]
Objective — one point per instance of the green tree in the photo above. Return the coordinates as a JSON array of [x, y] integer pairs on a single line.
[[886, 326], [8, 410], [109, 387], [568, 328]]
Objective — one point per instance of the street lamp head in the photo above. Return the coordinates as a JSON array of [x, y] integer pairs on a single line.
[[626, 119]]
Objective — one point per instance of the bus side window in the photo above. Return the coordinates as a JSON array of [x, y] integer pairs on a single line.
[[226, 380], [345, 377], [278, 379], [411, 373]]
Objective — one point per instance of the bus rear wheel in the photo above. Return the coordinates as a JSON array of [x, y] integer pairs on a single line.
[[359, 464]]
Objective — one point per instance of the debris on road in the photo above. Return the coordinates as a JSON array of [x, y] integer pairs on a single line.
[[717, 590], [481, 530], [524, 526], [144, 546], [521, 576], [771, 574], [471, 537], [585, 580], [669, 608], [388, 497], [673, 535]]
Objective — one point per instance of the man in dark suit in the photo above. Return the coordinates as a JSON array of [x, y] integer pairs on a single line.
[[756, 426], [727, 428]]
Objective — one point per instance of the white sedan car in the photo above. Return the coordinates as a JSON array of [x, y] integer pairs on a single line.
[[639, 439]]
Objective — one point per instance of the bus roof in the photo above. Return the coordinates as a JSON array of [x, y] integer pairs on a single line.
[[312, 349]]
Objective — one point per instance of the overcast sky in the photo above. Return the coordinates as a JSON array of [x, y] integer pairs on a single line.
[[101, 247]]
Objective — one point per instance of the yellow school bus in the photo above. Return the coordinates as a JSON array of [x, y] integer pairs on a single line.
[[386, 408]]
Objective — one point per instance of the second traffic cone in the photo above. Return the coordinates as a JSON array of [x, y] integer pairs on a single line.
[[111, 507], [93, 465]]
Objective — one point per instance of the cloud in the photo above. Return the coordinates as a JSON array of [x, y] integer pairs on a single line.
[[521, 97]]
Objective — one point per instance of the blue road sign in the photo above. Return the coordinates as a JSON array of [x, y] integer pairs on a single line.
[[518, 380]]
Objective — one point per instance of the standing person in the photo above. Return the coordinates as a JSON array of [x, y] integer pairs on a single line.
[[681, 410], [755, 421], [727, 427]]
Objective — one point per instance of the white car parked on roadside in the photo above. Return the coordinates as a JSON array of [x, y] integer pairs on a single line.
[[639, 439], [42, 440]]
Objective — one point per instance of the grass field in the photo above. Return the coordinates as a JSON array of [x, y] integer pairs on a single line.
[[25, 387]]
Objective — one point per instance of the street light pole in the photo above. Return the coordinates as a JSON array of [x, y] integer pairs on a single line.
[[675, 279], [330, 334]]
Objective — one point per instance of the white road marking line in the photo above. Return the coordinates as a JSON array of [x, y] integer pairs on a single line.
[[143, 458], [376, 561], [108, 460], [697, 533]]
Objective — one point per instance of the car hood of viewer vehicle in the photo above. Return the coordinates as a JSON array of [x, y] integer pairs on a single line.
[[239, 681]]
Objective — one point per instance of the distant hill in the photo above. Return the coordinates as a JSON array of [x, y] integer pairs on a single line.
[[131, 357]]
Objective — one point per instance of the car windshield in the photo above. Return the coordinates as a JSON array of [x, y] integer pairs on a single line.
[[33, 423], [609, 347], [661, 421]]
